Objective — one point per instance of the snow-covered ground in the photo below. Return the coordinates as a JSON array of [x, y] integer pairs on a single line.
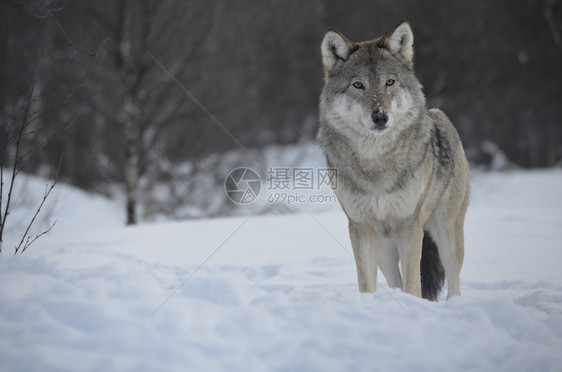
[[278, 293]]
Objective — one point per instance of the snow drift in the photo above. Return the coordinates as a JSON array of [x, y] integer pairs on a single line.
[[278, 293]]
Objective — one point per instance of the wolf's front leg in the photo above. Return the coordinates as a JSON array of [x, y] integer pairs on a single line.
[[365, 256], [388, 260], [410, 236]]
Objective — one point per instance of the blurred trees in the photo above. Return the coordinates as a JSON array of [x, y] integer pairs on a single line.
[[494, 67], [146, 105]]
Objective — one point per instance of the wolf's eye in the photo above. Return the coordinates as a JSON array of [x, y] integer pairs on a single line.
[[389, 82], [358, 85]]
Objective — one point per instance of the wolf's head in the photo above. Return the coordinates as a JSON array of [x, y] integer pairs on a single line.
[[370, 87]]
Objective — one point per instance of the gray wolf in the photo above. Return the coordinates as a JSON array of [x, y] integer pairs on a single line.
[[402, 175]]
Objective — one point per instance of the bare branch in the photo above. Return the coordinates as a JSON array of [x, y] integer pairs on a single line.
[[17, 158], [2, 186], [30, 241], [50, 13], [68, 39], [25, 237], [554, 29]]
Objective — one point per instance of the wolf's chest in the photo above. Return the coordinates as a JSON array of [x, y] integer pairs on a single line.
[[378, 205]]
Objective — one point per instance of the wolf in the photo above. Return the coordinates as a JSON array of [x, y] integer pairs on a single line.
[[402, 175]]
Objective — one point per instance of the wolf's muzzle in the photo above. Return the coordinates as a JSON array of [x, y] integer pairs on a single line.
[[379, 117]]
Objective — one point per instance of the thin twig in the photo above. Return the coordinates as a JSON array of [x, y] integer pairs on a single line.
[[2, 185], [17, 158], [45, 196], [28, 242], [554, 31], [19, 246]]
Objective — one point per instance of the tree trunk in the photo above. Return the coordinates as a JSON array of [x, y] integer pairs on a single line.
[[131, 73], [132, 111]]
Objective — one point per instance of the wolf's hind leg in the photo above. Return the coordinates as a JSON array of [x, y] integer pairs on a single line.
[[365, 257], [450, 244]]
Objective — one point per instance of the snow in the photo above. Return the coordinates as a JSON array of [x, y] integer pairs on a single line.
[[278, 293], [72, 209]]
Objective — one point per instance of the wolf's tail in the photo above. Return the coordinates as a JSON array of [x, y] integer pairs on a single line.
[[432, 271]]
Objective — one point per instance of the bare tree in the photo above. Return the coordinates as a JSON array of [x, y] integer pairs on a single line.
[[16, 134], [149, 102], [132, 71]]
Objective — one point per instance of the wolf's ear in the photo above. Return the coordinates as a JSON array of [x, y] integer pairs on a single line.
[[336, 48], [399, 41]]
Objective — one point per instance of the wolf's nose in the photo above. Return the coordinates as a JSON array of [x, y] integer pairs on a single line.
[[380, 117]]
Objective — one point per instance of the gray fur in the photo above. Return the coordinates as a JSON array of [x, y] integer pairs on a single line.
[[396, 178]]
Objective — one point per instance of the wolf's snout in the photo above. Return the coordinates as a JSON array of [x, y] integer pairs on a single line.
[[380, 117]]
